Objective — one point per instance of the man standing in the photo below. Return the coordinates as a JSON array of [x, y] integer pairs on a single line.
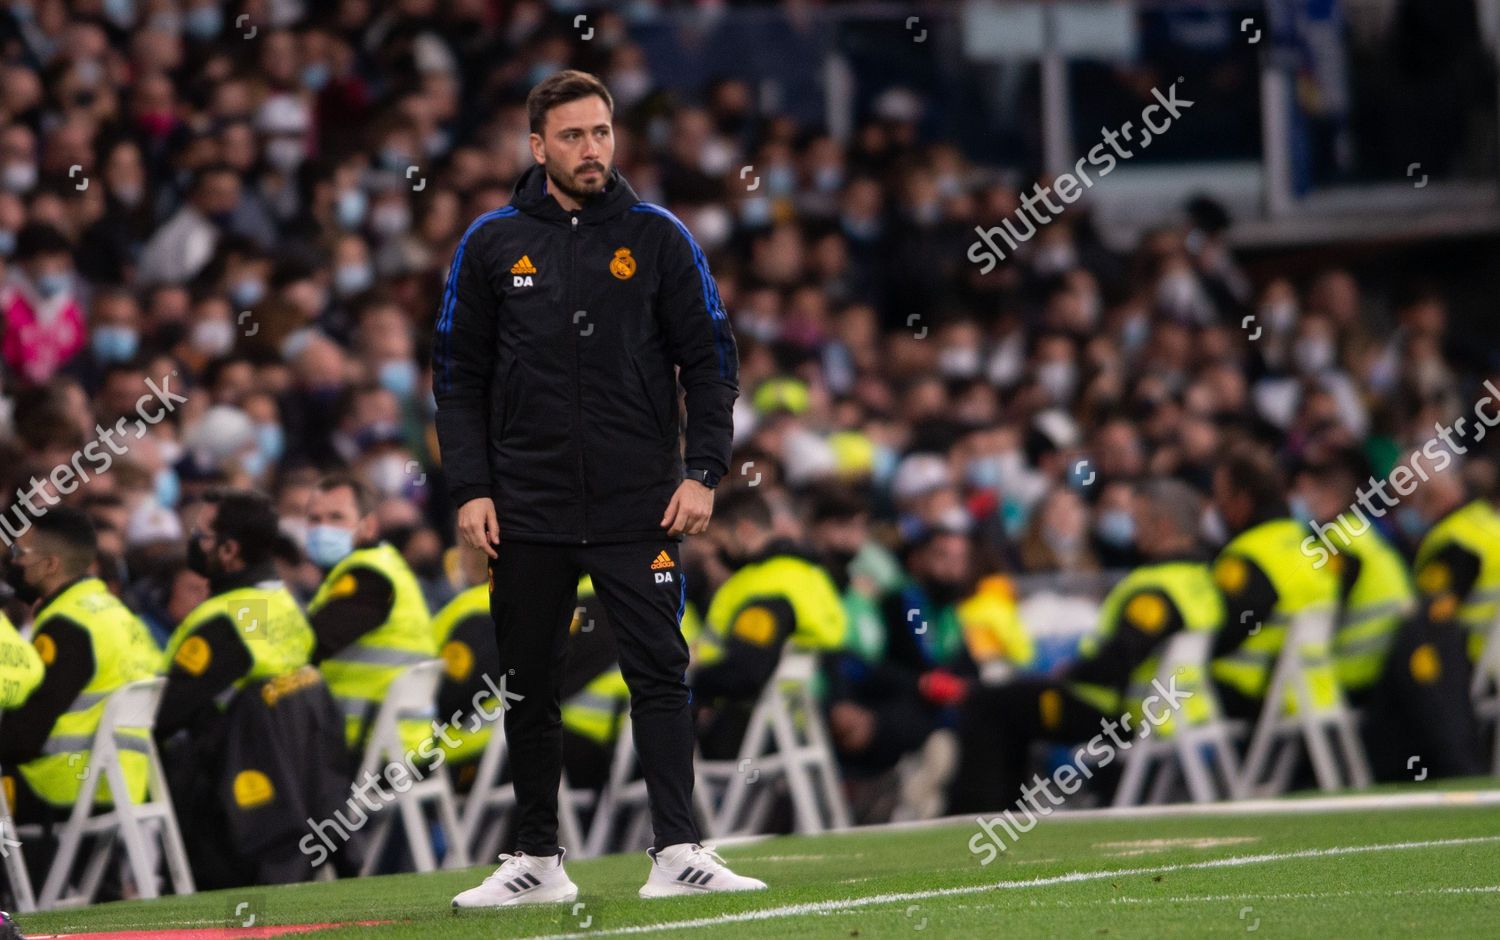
[[564, 316]]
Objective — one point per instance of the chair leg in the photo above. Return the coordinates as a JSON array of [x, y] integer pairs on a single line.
[[380, 821], [15, 862], [1200, 780], [1166, 779], [418, 838], [817, 735], [457, 855], [799, 782], [95, 867], [737, 787], [67, 846]]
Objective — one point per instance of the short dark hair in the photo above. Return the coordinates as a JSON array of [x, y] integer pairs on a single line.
[[1255, 473], [248, 518], [38, 238], [75, 531], [364, 498], [561, 88], [743, 503]]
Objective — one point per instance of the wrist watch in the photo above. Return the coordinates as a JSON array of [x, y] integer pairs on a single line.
[[707, 477]]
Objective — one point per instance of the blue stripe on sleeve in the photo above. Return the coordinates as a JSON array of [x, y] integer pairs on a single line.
[[706, 283], [443, 333]]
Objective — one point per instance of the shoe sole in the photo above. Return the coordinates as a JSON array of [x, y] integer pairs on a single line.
[[518, 902], [649, 892]]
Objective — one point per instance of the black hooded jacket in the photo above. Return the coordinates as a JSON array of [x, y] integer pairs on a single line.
[[553, 363]]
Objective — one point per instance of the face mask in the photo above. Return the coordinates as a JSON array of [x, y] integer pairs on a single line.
[[391, 218], [755, 212], [1212, 527], [1299, 509], [204, 22], [713, 225], [1063, 544], [327, 545], [15, 576], [828, 179], [861, 230], [1056, 379], [350, 208], [315, 76], [212, 337], [7, 242], [1409, 520], [629, 86], [983, 473], [943, 593], [115, 343], [1054, 259], [388, 475], [1177, 291], [166, 487], [1134, 332], [54, 284], [959, 362], [780, 181], [395, 159], [247, 291], [270, 440], [285, 153], [399, 377], [883, 464], [129, 195], [1313, 355], [19, 177], [352, 278], [1116, 528], [1280, 315]]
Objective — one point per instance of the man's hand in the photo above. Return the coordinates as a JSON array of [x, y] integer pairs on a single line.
[[479, 526], [689, 511]]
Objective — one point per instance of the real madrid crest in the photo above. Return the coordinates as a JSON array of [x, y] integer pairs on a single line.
[[623, 266]]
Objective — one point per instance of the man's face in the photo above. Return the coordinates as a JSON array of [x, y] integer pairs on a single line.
[[335, 507], [577, 146]]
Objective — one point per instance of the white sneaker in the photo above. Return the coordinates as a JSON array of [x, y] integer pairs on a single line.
[[522, 879], [688, 868]]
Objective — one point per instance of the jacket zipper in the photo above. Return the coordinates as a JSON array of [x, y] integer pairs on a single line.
[[578, 378]]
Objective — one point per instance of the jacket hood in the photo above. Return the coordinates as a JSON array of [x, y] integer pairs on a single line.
[[532, 197]]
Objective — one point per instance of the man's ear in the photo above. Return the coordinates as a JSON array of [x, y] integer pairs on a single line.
[[367, 529], [538, 153]]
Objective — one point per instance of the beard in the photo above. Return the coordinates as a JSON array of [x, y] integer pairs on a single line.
[[569, 184]]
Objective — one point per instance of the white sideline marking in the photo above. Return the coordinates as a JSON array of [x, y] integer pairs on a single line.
[[1147, 846], [1446, 799], [819, 907]]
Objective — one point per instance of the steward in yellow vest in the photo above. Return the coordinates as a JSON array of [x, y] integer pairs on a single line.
[[89, 644], [1268, 574], [249, 628], [1426, 707], [464, 632], [1108, 688], [776, 595], [263, 742], [1375, 590], [20, 666], [369, 614]]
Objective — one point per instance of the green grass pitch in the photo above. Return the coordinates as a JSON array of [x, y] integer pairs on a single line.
[[1376, 871]]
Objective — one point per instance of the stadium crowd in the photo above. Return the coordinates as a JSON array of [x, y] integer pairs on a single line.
[[229, 250]]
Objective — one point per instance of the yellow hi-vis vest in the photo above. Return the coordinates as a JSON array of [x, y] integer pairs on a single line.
[[269, 622], [1275, 547], [459, 664], [1190, 587], [816, 604], [1379, 600], [359, 674], [1475, 528], [124, 652], [595, 710], [20, 666]]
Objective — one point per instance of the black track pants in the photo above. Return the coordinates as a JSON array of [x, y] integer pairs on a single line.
[[535, 590]]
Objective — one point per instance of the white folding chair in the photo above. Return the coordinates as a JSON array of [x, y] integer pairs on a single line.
[[786, 740], [489, 800], [1485, 688], [133, 707], [14, 860], [1182, 744], [1292, 717], [626, 792], [411, 694]]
